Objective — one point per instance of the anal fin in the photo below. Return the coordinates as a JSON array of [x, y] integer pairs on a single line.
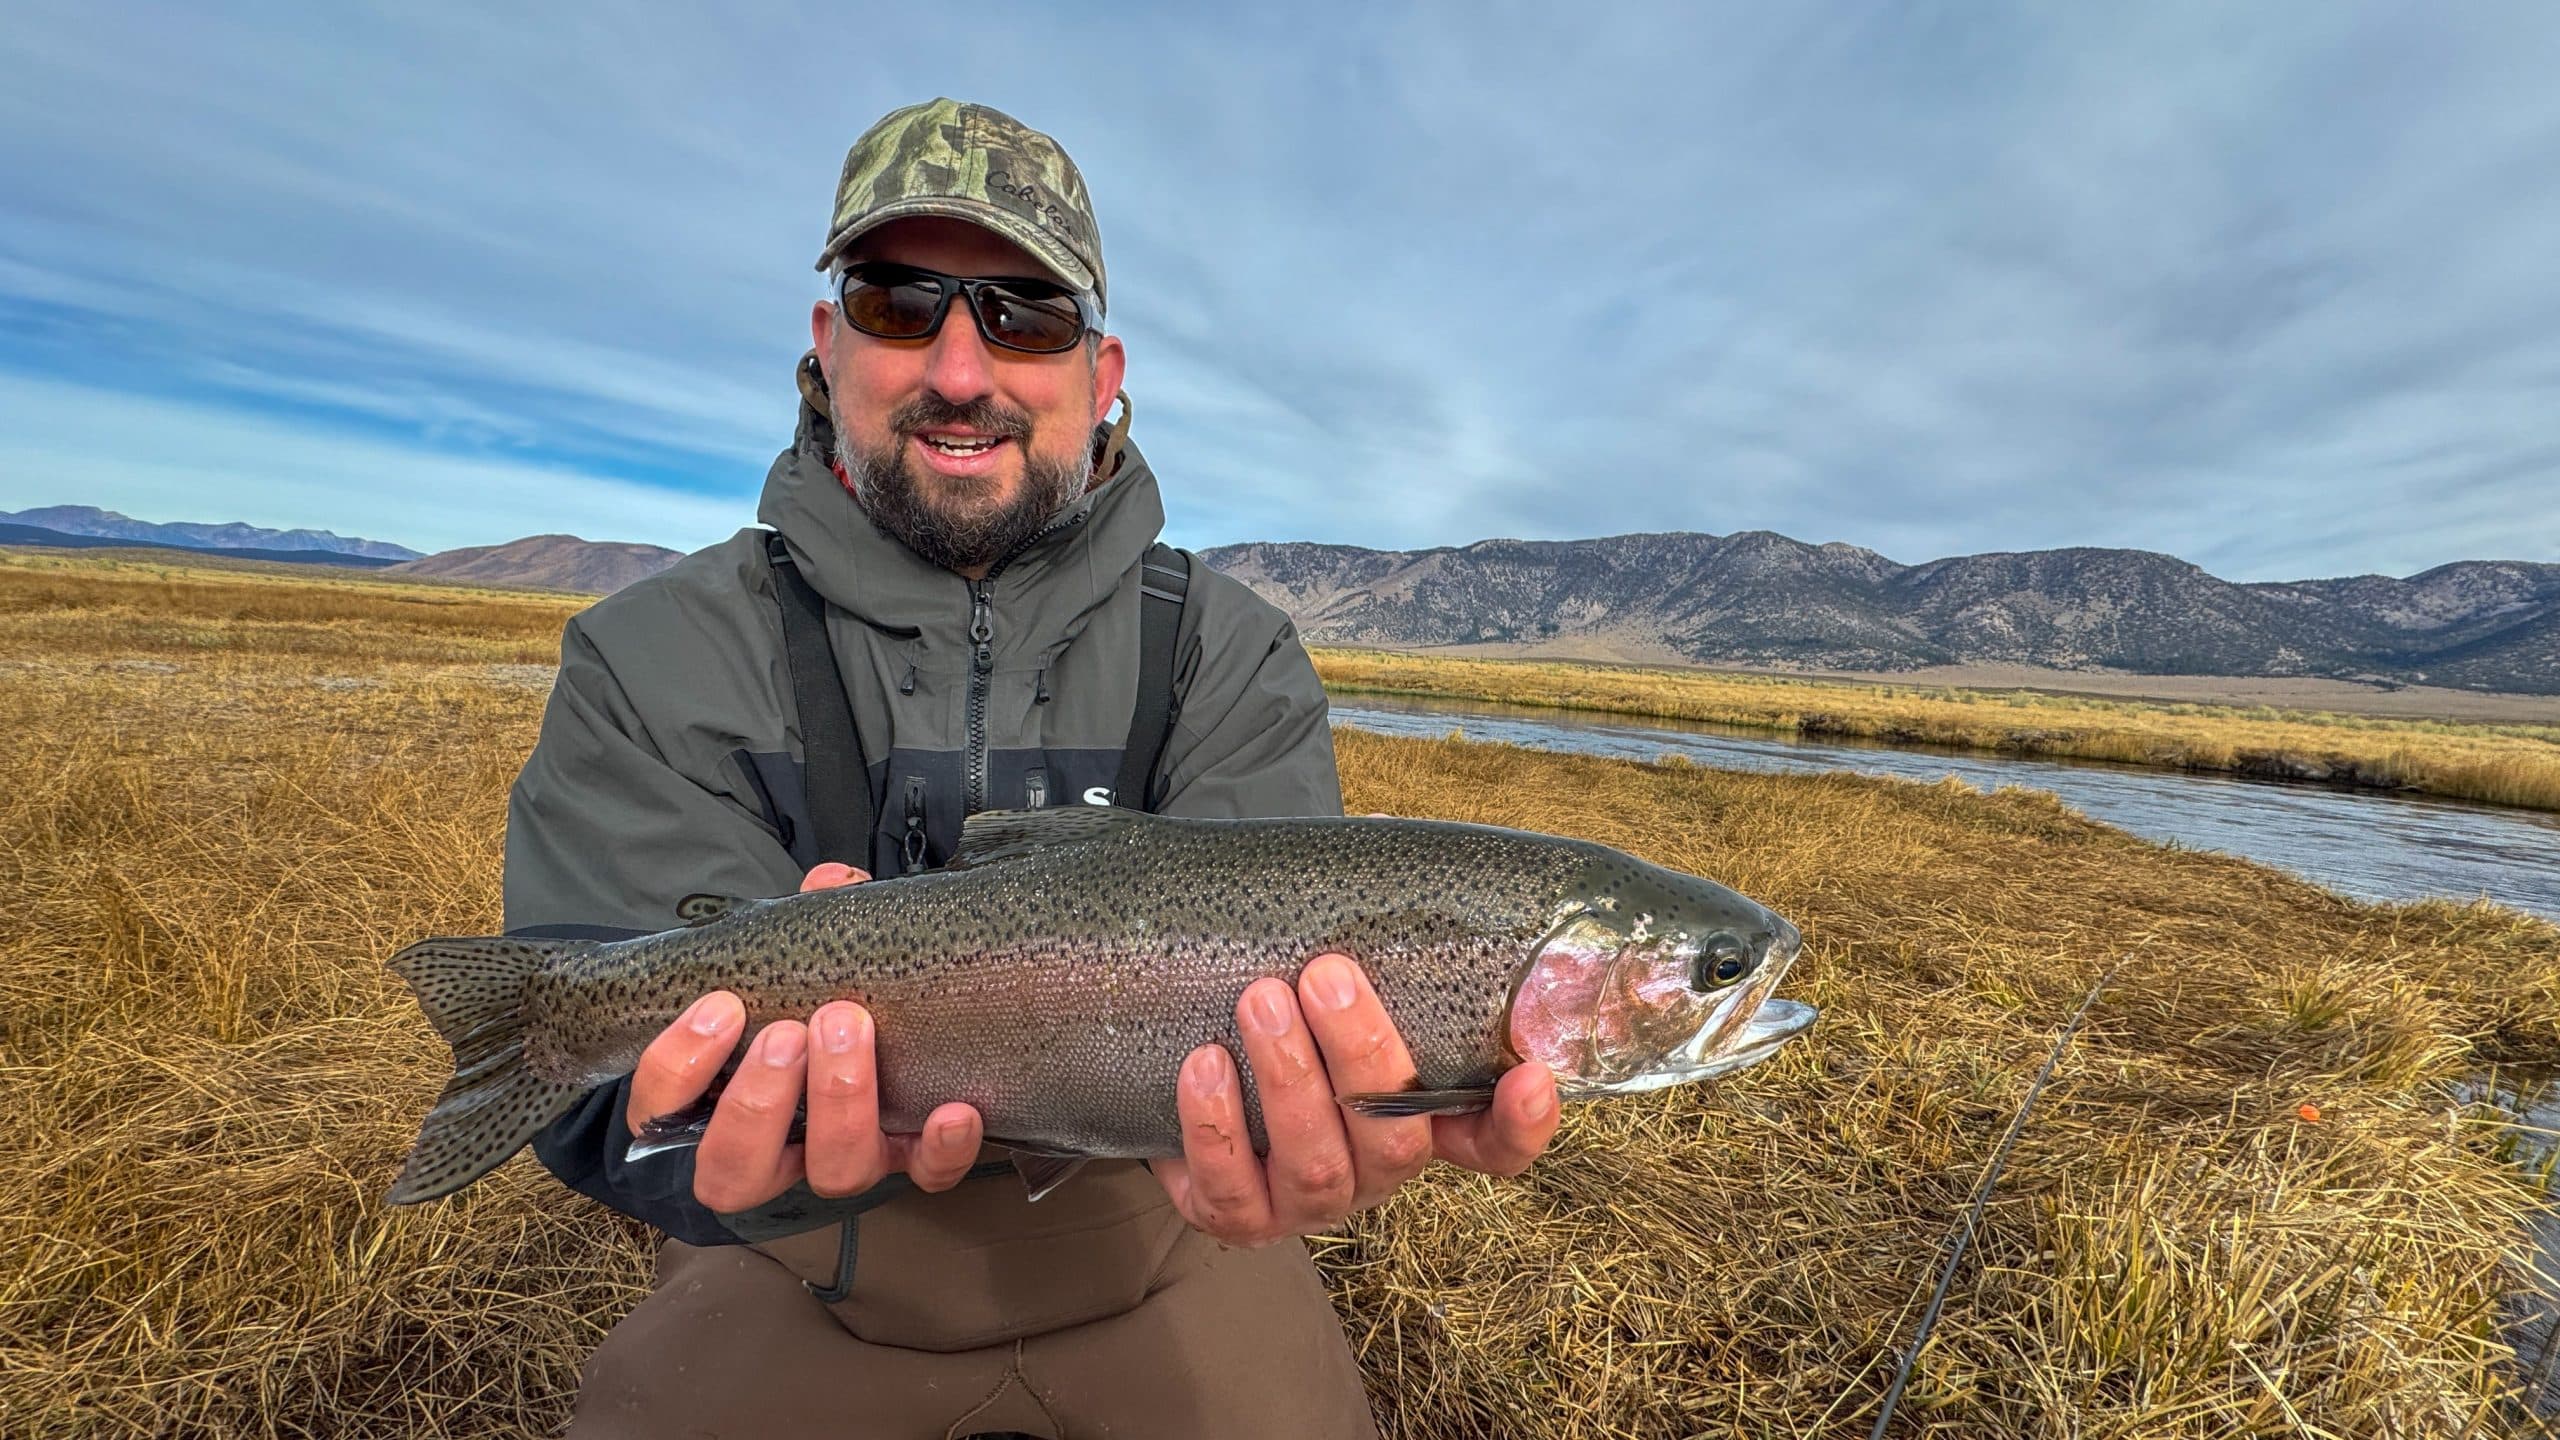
[[684, 1126], [1395, 1104], [672, 1131]]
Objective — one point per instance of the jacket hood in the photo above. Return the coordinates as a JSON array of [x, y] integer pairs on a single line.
[[1073, 566]]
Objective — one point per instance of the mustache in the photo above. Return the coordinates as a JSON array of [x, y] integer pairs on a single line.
[[982, 415]]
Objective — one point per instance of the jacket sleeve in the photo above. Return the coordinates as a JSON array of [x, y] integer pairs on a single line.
[[604, 836], [1251, 738]]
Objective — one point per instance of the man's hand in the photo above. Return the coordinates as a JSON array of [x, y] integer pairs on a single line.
[[745, 1158], [1329, 1037]]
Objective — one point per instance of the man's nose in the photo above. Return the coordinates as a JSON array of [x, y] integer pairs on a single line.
[[957, 367]]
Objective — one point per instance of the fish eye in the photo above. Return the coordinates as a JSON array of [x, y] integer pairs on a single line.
[[1720, 962]]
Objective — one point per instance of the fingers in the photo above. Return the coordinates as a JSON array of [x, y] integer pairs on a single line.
[[940, 1157], [846, 1152], [1309, 1176], [830, 875], [746, 1158], [1218, 1183], [679, 1066], [1511, 1132], [1363, 1052]]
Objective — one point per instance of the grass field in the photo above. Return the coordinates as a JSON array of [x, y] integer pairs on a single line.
[[230, 801], [2500, 764]]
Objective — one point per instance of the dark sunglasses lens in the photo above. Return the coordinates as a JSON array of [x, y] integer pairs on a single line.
[[892, 306], [1042, 325]]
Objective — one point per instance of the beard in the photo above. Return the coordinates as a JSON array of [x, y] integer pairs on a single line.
[[955, 522]]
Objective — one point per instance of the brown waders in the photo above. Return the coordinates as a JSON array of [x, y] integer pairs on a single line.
[[1095, 1312]]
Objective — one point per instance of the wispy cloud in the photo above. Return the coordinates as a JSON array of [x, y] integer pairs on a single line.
[[152, 458], [2268, 287]]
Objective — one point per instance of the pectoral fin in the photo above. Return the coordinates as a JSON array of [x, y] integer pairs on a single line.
[[1395, 1104]]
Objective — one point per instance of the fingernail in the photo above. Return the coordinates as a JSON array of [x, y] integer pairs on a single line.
[[708, 1015], [1540, 1106], [836, 1031], [1266, 1011], [950, 1133], [1206, 1071], [1332, 984], [783, 1045]]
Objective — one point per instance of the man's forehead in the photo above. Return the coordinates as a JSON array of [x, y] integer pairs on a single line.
[[955, 247]]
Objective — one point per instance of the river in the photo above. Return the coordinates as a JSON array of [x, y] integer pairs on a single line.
[[2373, 845]]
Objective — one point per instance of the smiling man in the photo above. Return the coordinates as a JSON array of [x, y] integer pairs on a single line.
[[959, 604]]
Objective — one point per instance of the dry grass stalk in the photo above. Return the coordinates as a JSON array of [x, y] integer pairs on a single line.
[[211, 1081]]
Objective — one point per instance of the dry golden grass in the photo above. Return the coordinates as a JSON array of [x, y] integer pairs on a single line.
[[2499, 764], [55, 606], [211, 1079]]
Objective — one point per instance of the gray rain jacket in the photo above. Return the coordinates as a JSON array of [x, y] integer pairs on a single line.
[[670, 759]]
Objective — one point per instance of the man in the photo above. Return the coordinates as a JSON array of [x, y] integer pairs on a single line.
[[965, 552]]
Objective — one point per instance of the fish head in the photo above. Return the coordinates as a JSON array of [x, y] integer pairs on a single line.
[[1655, 979]]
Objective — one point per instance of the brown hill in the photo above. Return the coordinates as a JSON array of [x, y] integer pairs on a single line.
[[548, 562]]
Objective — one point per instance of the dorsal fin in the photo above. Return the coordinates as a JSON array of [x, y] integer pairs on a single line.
[[993, 835]]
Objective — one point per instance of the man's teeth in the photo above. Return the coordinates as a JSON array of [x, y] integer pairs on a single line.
[[959, 444]]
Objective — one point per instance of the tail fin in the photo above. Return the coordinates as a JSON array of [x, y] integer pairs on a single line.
[[472, 990]]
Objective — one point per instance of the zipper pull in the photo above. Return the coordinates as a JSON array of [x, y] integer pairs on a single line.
[[911, 844], [1040, 687], [908, 685], [982, 627]]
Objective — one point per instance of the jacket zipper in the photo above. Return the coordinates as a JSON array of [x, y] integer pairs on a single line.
[[982, 662]]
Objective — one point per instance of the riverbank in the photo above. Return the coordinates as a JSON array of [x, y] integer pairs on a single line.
[[2494, 764], [223, 812]]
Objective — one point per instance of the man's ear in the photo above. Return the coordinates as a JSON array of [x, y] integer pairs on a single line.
[[822, 324], [1110, 367]]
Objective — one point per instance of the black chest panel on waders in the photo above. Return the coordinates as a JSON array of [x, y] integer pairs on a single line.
[[842, 806], [844, 811]]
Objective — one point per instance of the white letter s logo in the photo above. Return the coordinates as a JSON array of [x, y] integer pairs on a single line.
[[1098, 795]]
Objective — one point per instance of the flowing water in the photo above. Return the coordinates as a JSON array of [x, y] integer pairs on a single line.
[[2370, 844]]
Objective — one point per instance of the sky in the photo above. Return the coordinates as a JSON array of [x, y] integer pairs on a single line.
[[2272, 287]]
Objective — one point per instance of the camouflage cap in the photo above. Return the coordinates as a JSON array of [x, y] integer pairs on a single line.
[[975, 164]]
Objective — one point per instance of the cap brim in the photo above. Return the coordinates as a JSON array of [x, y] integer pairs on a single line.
[[1044, 247]]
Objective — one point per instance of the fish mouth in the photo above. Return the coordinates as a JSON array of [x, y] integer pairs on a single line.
[[1778, 1022]]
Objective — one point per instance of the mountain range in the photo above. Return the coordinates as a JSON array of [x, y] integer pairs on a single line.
[[89, 520], [1753, 598], [1762, 599]]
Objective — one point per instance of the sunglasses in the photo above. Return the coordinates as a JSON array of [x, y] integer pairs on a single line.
[[902, 302]]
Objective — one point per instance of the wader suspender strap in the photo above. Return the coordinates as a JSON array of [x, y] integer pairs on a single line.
[[837, 775], [1164, 580]]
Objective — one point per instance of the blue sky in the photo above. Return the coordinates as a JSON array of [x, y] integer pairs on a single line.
[[2273, 287]]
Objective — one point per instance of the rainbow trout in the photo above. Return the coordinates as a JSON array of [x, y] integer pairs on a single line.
[[1057, 971]]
